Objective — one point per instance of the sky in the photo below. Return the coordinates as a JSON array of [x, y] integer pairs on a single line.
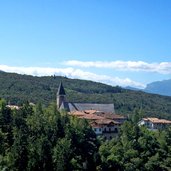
[[117, 42]]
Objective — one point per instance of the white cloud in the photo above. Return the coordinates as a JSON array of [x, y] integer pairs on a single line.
[[72, 73], [162, 68]]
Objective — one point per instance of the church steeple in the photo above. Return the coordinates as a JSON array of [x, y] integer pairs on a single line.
[[61, 90], [60, 96]]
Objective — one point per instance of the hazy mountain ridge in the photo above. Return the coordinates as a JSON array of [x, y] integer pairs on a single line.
[[16, 89], [159, 87]]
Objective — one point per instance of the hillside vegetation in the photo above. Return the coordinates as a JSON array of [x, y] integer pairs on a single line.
[[16, 89]]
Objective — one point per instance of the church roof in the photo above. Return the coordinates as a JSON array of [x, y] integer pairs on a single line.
[[61, 90], [109, 108], [65, 106]]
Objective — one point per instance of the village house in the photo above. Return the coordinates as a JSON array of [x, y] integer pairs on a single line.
[[102, 126], [154, 123], [106, 128], [12, 107]]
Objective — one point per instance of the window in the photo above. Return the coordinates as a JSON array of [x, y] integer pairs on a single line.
[[116, 129]]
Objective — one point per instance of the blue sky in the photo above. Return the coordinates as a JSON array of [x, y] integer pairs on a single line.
[[118, 42]]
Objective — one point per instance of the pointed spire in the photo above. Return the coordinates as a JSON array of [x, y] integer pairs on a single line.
[[61, 90]]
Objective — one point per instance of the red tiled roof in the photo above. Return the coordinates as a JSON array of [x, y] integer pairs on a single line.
[[97, 119], [77, 113], [112, 116], [156, 120], [91, 117], [89, 111], [106, 121]]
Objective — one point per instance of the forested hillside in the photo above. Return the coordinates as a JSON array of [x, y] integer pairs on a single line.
[[16, 89]]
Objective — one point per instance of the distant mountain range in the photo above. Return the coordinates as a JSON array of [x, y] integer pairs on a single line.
[[158, 87]]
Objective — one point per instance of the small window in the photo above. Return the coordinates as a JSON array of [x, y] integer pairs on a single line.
[[95, 129], [116, 130]]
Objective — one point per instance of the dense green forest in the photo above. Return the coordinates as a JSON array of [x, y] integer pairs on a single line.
[[43, 139], [16, 89]]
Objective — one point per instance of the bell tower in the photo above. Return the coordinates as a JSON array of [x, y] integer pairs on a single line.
[[61, 96]]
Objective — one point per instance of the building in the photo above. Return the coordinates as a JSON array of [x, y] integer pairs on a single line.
[[106, 128], [13, 107], [102, 126], [154, 123], [101, 117], [63, 104]]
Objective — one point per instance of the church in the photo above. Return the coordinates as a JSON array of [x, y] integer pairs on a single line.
[[63, 104], [101, 117]]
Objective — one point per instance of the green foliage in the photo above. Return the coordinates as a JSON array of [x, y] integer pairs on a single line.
[[137, 149], [36, 138], [137, 115], [62, 154], [17, 89]]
